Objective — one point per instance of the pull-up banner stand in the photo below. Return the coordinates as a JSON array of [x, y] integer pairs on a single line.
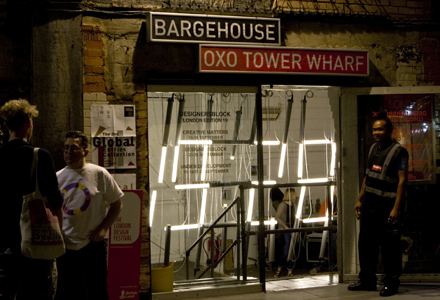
[[124, 251]]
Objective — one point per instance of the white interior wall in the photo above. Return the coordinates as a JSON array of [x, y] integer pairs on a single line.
[[183, 207]]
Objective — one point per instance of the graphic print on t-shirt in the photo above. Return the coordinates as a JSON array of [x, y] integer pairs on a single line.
[[81, 196]]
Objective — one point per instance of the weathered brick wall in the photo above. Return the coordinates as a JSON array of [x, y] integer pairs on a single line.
[[96, 90]]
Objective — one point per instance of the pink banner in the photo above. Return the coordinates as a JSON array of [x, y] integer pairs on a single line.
[[124, 252]]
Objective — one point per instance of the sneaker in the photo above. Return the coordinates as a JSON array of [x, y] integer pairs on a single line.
[[388, 291]]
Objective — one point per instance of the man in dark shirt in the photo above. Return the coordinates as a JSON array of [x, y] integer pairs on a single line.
[[23, 278], [378, 207]]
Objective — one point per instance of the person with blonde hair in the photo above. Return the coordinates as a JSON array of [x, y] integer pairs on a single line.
[[285, 217], [22, 277]]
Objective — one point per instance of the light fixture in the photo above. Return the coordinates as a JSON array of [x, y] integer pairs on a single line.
[[300, 160], [267, 222], [203, 207], [162, 164], [192, 186], [268, 143], [176, 161], [178, 134], [204, 161], [300, 202], [251, 204], [165, 138], [265, 182], [281, 166], [236, 129], [333, 161], [286, 134], [317, 142], [314, 220], [195, 142], [312, 180], [183, 227], [152, 205]]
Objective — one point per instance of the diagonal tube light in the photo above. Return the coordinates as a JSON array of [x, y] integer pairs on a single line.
[[203, 207], [286, 134], [251, 204], [236, 129], [178, 135], [165, 138], [205, 147], [152, 205]]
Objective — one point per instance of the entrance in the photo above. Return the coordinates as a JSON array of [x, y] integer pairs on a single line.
[[222, 160]]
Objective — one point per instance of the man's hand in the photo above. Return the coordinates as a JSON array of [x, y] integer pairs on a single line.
[[98, 234], [358, 209], [394, 216]]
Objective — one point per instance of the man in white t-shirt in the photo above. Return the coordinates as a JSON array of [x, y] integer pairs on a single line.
[[88, 190]]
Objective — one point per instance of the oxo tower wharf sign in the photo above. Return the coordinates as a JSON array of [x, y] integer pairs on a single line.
[[196, 28]]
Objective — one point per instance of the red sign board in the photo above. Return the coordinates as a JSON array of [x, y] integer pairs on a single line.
[[231, 59], [124, 252]]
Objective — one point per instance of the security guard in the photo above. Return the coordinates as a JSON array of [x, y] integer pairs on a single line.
[[378, 208]]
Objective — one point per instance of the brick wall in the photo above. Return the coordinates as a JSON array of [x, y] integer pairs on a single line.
[[96, 92]]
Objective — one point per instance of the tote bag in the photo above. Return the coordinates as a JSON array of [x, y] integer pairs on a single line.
[[41, 236]]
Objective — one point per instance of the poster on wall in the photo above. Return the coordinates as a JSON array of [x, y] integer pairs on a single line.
[[412, 121], [113, 131], [124, 251]]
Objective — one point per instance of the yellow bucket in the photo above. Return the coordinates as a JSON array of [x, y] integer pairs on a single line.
[[162, 279]]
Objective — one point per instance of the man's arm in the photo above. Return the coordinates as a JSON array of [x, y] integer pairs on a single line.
[[358, 205], [400, 194], [99, 233]]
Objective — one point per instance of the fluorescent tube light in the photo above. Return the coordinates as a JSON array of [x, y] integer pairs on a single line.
[[192, 186], [175, 163], [266, 182], [333, 162], [202, 209], [317, 142], [162, 164], [300, 160], [268, 222], [183, 227], [314, 220], [300, 202], [205, 159], [283, 154], [195, 142], [313, 180], [251, 204], [152, 205]]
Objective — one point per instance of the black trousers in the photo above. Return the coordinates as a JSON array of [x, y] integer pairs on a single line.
[[377, 235], [82, 274]]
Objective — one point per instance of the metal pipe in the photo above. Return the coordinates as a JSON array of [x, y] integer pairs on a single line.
[[179, 120], [260, 175], [167, 246], [288, 114], [168, 121], [302, 123]]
